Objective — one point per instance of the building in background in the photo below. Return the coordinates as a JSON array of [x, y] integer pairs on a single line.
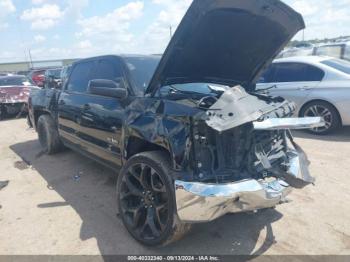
[[27, 66]]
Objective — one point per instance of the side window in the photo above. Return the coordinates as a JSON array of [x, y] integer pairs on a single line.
[[296, 72], [267, 77], [313, 73], [80, 77], [107, 69]]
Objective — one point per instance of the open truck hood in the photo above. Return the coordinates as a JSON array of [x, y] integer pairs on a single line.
[[226, 42]]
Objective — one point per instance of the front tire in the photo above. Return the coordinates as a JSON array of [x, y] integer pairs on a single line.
[[48, 135], [325, 110], [146, 200]]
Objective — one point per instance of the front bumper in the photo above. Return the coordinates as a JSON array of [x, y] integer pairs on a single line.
[[198, 202]]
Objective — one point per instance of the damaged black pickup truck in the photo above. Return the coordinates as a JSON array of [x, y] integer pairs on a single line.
[[191, 137]]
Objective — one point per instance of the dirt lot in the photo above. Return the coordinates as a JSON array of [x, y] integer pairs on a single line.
[[65, 204]]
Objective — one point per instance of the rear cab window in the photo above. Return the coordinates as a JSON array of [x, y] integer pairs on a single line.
[[292, 72]]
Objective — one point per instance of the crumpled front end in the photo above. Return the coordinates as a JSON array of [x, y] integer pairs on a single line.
[[245, 164], [201, 202]]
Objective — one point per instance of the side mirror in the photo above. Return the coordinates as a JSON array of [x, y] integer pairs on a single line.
[[107, 88]]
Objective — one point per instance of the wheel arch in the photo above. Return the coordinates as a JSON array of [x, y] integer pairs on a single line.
[[37, 114], [323, 101], [135, 145]]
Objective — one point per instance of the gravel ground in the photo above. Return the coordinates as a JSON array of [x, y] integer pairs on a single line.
[[65, 204]]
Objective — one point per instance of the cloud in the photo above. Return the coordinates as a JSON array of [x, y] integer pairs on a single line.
[[85, 44], [51, 53], [158, 32], [43, 18], [74, 8], [323, 18], [110, 32], [39, 39], [38, 2], [115, 22], [6, 8]]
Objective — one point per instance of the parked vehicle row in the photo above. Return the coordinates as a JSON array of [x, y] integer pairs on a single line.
[[335, 50], [14, 89], [190, 136], [14, 93], [320, 86]]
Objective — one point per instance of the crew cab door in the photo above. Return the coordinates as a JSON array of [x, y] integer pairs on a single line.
[[292, 81], [100, 125], [71, 102]]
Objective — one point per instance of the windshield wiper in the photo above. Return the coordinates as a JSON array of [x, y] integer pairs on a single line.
[[175, 90]]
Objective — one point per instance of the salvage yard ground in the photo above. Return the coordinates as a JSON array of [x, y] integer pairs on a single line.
[[65, 204]]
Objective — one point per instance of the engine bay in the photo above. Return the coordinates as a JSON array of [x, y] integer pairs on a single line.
[[237, 154]]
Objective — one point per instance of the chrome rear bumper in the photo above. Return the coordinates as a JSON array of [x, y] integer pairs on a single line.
[[198, 202]]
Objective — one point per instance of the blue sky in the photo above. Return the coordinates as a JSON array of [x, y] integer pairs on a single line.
[[80, 28]]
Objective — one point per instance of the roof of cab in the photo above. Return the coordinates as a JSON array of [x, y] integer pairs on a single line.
[[302, 59], [117, 56]]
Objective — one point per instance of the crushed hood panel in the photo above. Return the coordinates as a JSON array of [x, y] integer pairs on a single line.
[[236, 107], [226, 42]]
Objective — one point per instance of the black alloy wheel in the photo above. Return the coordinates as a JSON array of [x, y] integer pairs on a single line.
[[146, 200]]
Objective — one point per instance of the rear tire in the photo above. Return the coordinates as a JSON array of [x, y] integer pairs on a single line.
[[48, 135], [325, 110], [146, 200]]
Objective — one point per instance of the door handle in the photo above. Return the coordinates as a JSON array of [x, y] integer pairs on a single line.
[[304, 88]]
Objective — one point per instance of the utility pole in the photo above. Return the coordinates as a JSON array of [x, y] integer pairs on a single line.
[[30, 59], [171, 32]]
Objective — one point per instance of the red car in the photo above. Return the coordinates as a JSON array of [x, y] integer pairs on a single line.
[[38, 77], [14, 93]]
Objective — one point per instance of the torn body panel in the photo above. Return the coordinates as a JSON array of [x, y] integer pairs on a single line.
[[199, 202], [236, 107], [164, 123]]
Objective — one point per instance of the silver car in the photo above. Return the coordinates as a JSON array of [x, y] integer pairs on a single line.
[[320, 86]]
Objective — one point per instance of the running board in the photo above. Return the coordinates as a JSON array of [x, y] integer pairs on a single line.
[[290, 123]]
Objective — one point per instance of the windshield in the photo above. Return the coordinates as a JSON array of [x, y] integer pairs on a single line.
[[340, 65], [142, 70], [15, 81]]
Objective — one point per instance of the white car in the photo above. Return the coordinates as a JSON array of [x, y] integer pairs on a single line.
[[320, 86]]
